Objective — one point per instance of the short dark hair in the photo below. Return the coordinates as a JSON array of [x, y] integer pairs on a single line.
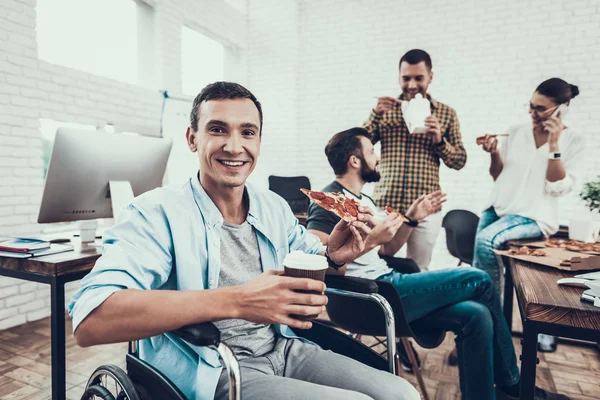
[[342, 146], [222, 91], [416, 56], [558, 90]]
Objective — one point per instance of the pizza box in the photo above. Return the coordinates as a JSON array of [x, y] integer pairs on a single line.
[[554, 257], [541, 244]]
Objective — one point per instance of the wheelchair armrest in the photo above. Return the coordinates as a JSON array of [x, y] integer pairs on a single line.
[[204, 334], [402, 265], [351, 284]]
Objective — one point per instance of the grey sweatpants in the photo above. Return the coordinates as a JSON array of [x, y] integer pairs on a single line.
[[298, 371]]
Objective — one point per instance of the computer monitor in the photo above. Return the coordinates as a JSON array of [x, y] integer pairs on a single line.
[[91, 174]]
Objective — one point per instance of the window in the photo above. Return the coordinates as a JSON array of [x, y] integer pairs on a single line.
[[48, 128], [202, 61], [99, 37]]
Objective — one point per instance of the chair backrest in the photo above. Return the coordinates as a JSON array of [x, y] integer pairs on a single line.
[[288, 187], [461, 226], [366, 317]]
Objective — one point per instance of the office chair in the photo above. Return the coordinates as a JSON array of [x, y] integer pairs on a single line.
[[288, 187], [461, 227], [374, 308]]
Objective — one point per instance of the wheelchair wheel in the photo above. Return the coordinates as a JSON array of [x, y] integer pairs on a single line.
[[109, 382]]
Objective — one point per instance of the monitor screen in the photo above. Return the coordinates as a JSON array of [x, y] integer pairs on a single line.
[[84, 162]]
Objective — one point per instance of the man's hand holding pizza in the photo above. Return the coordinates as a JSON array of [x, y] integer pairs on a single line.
[[348, 239]]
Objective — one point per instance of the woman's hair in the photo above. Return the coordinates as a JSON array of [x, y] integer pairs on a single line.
[[558, 90]]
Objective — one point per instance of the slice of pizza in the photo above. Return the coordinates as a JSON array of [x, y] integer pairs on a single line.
[[574, 247], [555, 243], [523, 251], [342, 206], [389, 210]]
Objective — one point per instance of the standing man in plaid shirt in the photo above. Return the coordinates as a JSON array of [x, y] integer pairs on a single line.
[[410, 163]]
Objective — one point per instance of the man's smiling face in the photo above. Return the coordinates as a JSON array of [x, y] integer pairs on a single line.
[[227, 141]]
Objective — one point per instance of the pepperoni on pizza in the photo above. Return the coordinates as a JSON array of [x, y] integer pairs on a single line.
[[342, 206]]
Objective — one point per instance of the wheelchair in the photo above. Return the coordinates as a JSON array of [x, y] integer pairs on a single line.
[[356, 306], [142, 381]]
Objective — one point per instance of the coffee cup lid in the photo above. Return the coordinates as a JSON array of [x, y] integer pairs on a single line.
[[300, 260]]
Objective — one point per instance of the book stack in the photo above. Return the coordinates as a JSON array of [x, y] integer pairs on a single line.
[[28, 247]]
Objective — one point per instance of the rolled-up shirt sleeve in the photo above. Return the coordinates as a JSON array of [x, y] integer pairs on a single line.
[[452, 151], [573, 160], [136, 254]]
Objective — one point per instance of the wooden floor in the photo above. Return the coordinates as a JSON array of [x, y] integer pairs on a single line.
[[25, 366]]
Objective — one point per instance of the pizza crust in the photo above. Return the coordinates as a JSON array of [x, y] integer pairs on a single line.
[[390, 210]]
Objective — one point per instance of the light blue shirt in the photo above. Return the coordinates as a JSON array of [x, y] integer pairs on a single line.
[[169, 239]]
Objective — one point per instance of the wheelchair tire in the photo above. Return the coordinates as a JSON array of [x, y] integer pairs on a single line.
[[99, 387]]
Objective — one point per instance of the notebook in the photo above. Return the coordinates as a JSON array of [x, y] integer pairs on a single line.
[[23, 244], [53, 249]]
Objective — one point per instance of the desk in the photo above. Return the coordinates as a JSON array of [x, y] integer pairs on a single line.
[[55, 270], [547, 308]]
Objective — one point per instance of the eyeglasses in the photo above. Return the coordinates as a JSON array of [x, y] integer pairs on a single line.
[[539, 110]]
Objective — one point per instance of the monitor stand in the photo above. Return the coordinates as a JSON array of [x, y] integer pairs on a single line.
[[121, 195]]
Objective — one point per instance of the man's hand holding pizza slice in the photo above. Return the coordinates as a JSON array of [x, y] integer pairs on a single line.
[[369, 233], [348, 239]]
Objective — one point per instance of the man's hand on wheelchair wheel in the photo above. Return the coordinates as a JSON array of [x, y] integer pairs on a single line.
[[270, 298]]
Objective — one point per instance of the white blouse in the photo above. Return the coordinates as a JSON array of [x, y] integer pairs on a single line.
[[522, 187]]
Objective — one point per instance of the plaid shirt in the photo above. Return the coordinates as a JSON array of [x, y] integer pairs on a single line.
[[410, 164]]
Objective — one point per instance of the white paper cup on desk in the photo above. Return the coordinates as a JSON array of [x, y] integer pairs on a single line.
[[300, 265], [87, 230]]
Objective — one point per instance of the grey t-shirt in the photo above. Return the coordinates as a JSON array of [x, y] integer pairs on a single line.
[[240, 262]]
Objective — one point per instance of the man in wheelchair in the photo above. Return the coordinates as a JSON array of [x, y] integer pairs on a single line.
[[461, 300], [212, 250]]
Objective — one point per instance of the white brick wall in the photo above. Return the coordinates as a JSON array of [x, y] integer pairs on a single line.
[[31, 89], [273, 49]]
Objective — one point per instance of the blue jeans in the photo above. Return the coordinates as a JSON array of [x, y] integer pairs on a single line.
[[464, 301], [492, 233]]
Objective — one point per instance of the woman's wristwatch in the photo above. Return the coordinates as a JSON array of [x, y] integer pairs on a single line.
[[554, 156]]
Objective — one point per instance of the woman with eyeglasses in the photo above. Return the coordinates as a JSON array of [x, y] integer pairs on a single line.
[[535, 165]]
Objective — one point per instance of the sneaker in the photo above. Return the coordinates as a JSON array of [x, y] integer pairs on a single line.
[[538, 394], [405, 360], [546, 343]]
